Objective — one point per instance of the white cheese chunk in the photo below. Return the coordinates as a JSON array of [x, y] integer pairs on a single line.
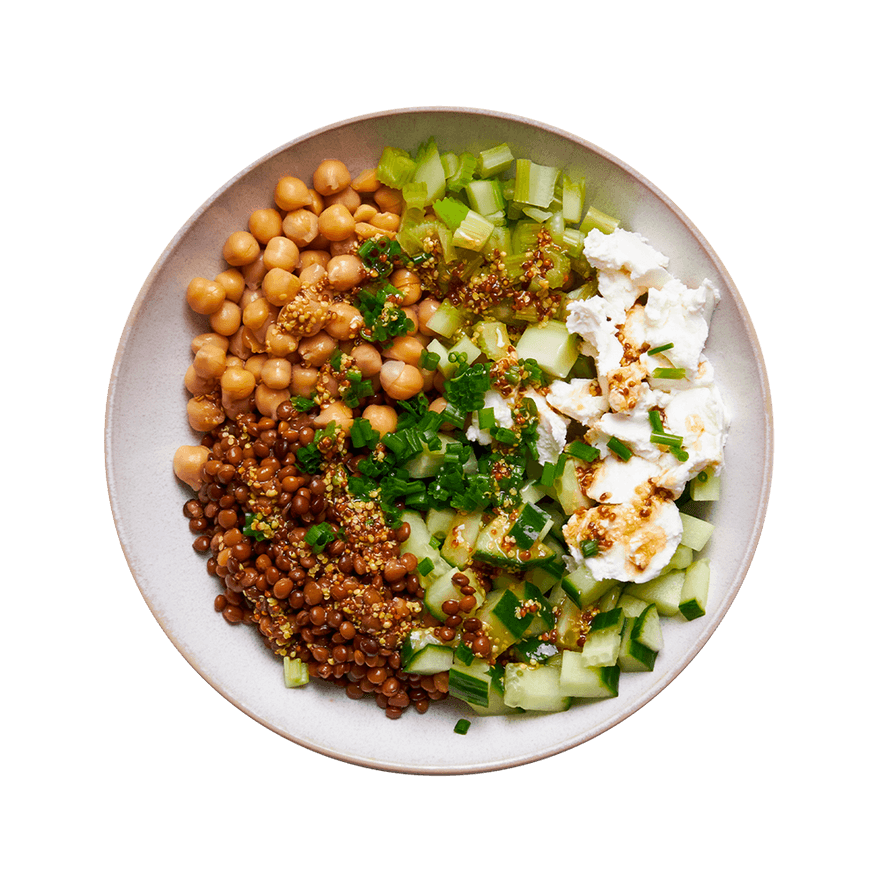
[[552, 429], [615, 481], [581, 399], [627, 251], [503, 418], [589, 319]]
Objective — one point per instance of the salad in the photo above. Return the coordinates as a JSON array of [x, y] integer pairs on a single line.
[[449, 414]]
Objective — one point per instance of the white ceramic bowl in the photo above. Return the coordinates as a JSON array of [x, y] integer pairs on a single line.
[[146, 422]]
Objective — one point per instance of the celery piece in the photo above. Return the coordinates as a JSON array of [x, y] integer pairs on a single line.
[[495, 160], [296, 673], [573, 192], [464, 174], [485, 196], [556, 227], [450, 163], [396, 168], [473, 232], [429, 170], [446, 320], [525, 236], [451, 211], [415, 194], [573, 241], [499, 240], [537, 214], [596, 219], [534, 184], [496, 218], [492, 339]]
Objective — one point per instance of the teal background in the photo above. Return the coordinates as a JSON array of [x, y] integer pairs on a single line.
[[757, 120]]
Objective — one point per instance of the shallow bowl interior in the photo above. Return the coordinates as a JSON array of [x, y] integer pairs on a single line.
[[146, 422]]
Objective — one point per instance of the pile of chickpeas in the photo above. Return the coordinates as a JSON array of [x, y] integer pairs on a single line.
[[285, 303]]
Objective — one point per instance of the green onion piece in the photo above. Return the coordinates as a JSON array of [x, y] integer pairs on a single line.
[[548, 474], [581, 450], [462, 726], [486, 418], [619, 449], [435, 541], [504, 435], [589, 548], [703, 476], [680, 454], [669, 373], [660, 348], [464, 654], [363, 434], [662, 439], [252, 532], [428, 360], [426, 566], [319, 536], [656, 421]]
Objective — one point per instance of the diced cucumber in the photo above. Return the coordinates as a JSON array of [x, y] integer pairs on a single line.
[[695, 532], [663, 591], [492, 546], [632, 606], [494, 630], [419, 544], [695, 591], [423, 653], [428, 462], [458, 547], [439, 521], [446, 321], [705, 486], [647, 631], [582, 588], [634, 657], [568, 488], [296, 673], [601, 648], [551, 345], [609, 599], [496, 704], [471, 683], [572, 624], [442, 589], [535, 688], [492, 339], [681, 559], [576, 679]]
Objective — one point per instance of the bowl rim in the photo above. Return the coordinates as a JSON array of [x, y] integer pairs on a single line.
[[749, 548]]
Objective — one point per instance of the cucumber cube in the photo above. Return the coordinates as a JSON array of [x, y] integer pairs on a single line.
[[634, 656], [695, 532], [592, 682], [631, 605], [601, 648], [646, 629], [663, 591], [551, 345], [706, 487], [534, 688], [695, 591]]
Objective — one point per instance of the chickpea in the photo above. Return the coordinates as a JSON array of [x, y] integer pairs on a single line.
[[240, 249], [210, 361], [255, 363], [280, 286], [346, 247], [408, 284], [336, 223], [335, 412], [265, 224], [300, 226], [381, 418], [346, 322], [413, 316], [204, 339], [387, 220], [347, 197], [406, 349], [204, 415], [366, 182], [226, 320], [279, 343], [205, 297], [196, 384], [313, 276], [255, 313], [254, 273], [313, 257], [281, 253], [364, 213], [237, 382], [401, 381], [188, 464], [232, 281], [317, 203], [389, 199], [426, 310], [291, 193], [367, 359], [234, 361], [344, 271], [235, 408], [276, 373], [316, 350], [303, 381], [331, 177], [268, 400], [238, 344]]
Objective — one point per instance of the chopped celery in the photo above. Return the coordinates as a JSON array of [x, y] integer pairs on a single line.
[[573, 191], [534, 184], [491, 337], [396, 168], [536, 213], [573, 241], [450, 163], [429, 170], [296, 673], [464, 174], [473, 232], [451, 211], [415, 194], [495, 160], [485, 196], [499, 240], [596, 219], [446, 320], [525, 236]]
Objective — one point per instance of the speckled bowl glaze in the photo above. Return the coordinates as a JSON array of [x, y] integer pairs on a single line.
[[146, 389]]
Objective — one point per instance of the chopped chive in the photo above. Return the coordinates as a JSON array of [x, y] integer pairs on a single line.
[[662, 439], [669, 373], [660, 348], [619, 449], [435, 542], [426, 566], [504, 435], [462, 726], [589, 548], [655, 420], [319, 536], [703, 477], [303, 404], [548, 474], [582, 451], [428, 360], [679, 453]]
